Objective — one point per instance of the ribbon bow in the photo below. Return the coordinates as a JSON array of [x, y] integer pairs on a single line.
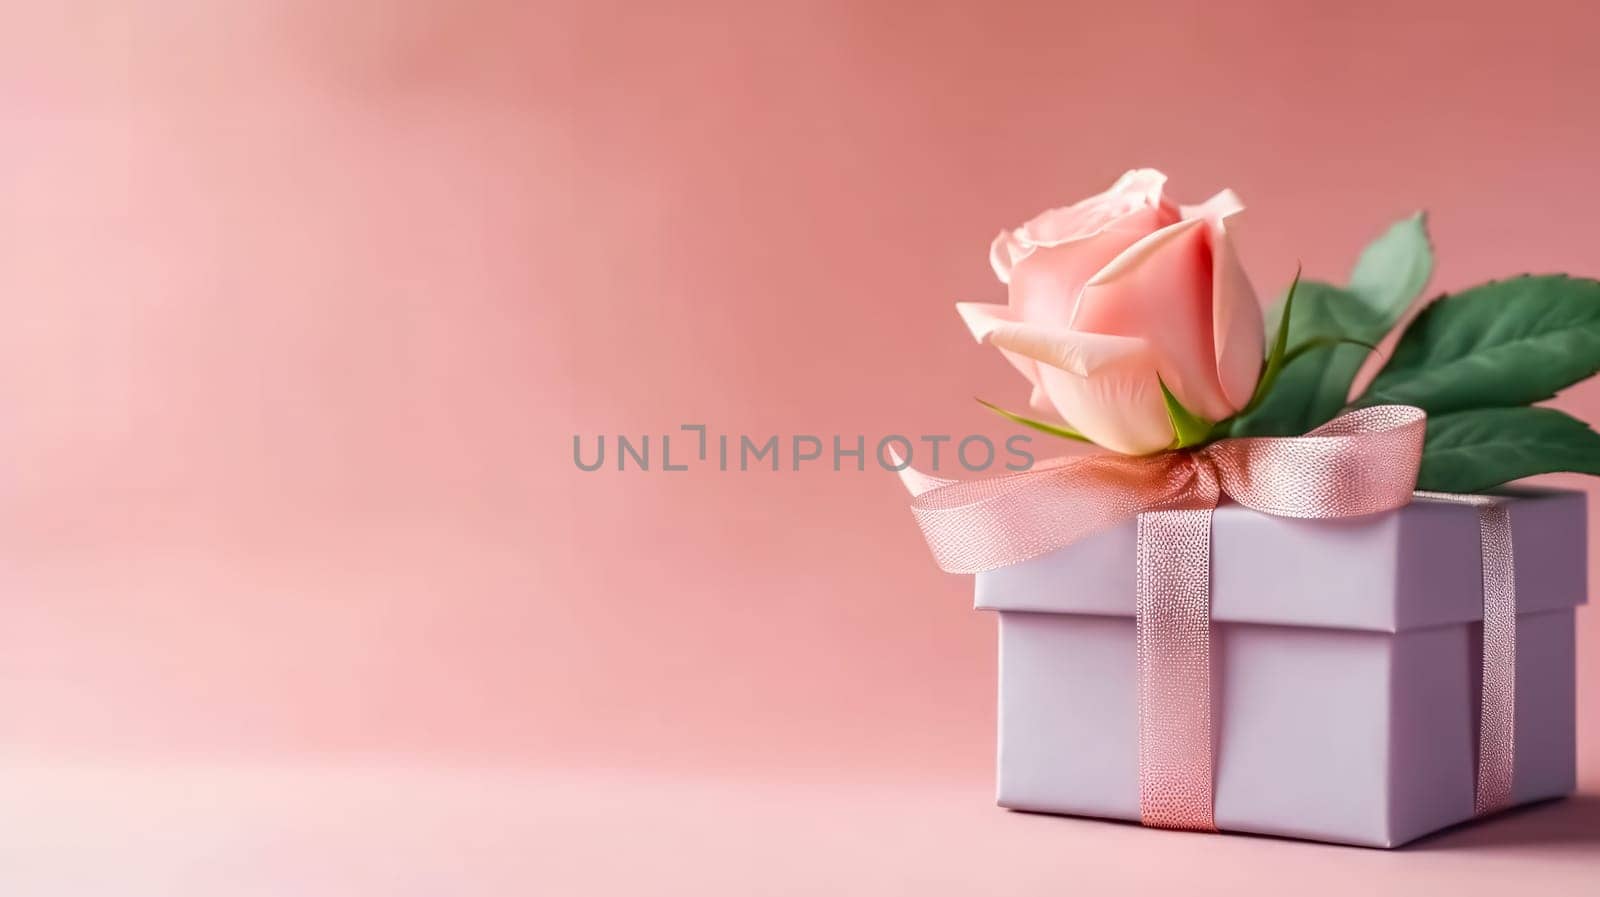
[[1359, 463]]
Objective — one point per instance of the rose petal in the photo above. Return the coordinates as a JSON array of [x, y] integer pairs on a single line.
[[1045, 285], [981, 318], [1120, 407], [1159, 290], [1236, 312], [1039, 400], [1103, 386], [974, 312], [1235, 321], [1136, 190], [1080, 353], [1004, 253], [1218, 208]]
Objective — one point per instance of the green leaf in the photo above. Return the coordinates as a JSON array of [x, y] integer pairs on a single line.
[[1508, 342], [1469, 451], [1313, 387], [1041, 426], [1190, 428], [1394, 268], [1337, 323]]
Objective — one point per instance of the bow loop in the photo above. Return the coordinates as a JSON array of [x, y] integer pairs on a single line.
[[1359, 463]]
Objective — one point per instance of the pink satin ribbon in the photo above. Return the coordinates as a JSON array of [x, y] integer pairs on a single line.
[[1497, 699], [1359, 463]]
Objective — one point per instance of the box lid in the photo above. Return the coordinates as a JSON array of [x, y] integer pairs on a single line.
[[1413, 567]]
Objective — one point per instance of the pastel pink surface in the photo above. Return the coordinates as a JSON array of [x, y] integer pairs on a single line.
[[383, 831], [304, 303]]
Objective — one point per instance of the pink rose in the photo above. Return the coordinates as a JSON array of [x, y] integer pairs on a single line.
[[1106, 294]]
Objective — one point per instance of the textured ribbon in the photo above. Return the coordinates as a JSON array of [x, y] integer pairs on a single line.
[[1172, 636], [1359, 463], [1497, 701]]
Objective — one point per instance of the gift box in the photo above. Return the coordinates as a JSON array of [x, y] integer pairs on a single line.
[[1346, 661]]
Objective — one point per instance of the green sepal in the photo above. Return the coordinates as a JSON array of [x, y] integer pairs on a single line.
[[1322, 342], [1277, 356], [1041, 426], [1189, 428]]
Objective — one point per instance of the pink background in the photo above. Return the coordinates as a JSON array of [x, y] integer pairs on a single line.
[[304, 303]]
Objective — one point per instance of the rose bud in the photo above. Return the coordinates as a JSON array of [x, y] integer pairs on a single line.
[[1106, 295]]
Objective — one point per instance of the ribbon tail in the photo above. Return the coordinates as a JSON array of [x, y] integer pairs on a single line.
[[915, 481], [1497, 701], [1497, 730]]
